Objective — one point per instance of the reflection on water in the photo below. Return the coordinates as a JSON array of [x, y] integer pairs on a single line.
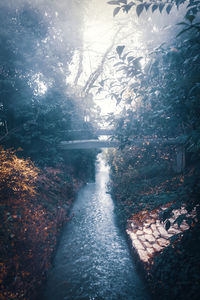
[[93, 261]]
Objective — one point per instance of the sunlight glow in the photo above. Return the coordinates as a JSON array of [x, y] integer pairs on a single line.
[[40, 87], [99, 30]]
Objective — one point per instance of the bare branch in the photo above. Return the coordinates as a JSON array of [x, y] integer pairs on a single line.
[[80, 68], [94, 75]]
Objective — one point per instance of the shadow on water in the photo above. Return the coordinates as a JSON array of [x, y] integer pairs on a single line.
[[93, 260]]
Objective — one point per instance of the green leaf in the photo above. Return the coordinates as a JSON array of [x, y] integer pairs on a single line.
[[138, 59], [147, 5], [121, 69], [122, 92], [113, 2], [183, 23], [99, 90], [178, 2], [131, 4], [182, 31], [120, 49], [119, 63], [139, 9], [126, 8], [190, 18], [130, 58], [161, 6], [168, 8], [166, 214], [167, 225], [180, 219], [195, 3], [116, 11], [154, 7], [125, 55], [102, 83]]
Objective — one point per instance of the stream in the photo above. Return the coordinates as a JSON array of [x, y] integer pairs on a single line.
[[93, 261]]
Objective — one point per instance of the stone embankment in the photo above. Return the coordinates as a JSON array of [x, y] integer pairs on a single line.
[[148, 234]]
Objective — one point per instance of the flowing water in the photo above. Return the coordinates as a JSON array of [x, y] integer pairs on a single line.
[[93, 259]]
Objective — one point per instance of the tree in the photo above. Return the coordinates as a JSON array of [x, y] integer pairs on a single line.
[[36, 107], [140, 6], [159, 99]]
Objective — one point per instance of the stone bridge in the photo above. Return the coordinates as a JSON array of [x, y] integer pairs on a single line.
[[97, 132], [88, 144], [98, 144]]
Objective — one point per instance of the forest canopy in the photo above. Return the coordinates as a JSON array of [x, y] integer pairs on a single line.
[[37, 107]]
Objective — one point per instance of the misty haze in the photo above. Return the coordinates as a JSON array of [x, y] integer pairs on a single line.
[[100, 150]]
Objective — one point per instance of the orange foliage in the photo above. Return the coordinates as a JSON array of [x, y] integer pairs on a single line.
[[33, 208], [17, 175]]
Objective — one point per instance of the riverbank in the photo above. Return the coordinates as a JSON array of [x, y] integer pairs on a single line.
[[168, 259], [161, 224], [35, 203]]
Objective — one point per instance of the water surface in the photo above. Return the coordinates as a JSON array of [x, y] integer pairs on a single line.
[[93, 259]]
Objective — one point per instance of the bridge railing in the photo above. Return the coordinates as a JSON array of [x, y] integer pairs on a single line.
[[95, 143], [100, 131]]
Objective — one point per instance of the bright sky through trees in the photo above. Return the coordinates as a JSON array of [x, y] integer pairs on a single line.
[[140, 35]]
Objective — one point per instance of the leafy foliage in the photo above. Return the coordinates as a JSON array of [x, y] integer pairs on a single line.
[[35, 203], [160, 100], [125, 6], [181, 262], [17, 176], [37, 111], [36, 108]]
